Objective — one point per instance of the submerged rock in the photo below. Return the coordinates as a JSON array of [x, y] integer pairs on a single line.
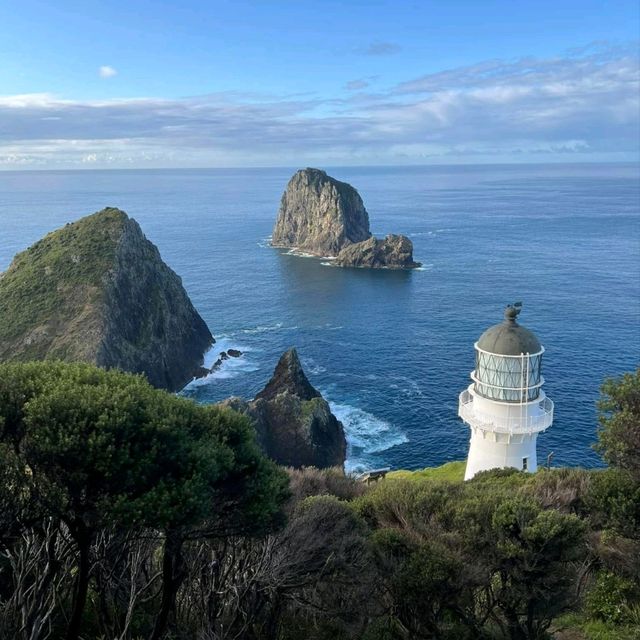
[[293, 421], [394, 252], [320, 215], [98, 291], [201, 372]]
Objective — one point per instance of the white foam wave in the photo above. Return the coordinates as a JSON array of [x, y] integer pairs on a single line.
[[366, 434], [311, 366], [262, 329], [230, 368], [265, 243], [299, 253], [429, 234], [328, 327]]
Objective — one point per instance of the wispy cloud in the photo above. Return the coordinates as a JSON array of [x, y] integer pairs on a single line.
[[580, 105], [360, 83], [379, 48], [355, 85], [107, 72]]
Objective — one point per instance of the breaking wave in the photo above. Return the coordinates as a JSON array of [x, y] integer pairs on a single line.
[[366, 435], [230, 368]]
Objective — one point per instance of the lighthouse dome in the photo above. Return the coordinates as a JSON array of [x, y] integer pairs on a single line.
[[508, 338]]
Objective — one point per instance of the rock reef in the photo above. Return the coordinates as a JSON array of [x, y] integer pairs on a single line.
[[394, 252], [325, 217], [98, 291], [294, 423]]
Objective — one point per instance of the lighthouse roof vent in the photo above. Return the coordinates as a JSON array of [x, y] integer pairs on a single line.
[[509, 338]]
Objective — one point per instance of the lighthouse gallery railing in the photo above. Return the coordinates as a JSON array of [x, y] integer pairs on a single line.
[[525, 423]]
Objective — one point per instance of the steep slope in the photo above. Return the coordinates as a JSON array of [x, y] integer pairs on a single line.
[[98, 291], [320, 214]]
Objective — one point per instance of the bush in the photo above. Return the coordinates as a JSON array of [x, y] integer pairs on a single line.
[[610, 597]]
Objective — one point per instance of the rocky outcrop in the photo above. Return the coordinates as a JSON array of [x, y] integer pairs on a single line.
[[394, 252], [320, 215], [98, 291], [293, 421], [325, 217]]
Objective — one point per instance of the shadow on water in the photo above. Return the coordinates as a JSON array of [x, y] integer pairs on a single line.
[[319, 293]]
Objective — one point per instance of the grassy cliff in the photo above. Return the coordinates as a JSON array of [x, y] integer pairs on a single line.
[[51, 293], [98, 291]]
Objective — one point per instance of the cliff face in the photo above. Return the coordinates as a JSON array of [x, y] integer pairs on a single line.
[[320, 214], [293, 421], [98, 291], [394, 252]]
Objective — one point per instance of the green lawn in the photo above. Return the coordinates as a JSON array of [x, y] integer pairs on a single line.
[[451, 471]]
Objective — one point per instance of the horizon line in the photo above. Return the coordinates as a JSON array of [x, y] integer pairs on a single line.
[[337, 166]]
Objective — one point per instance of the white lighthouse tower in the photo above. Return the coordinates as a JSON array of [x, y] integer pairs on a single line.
[[505, 406]]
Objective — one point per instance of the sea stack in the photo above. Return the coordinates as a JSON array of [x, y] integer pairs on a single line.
[[98, 291], [320, 215], [294, 423], [325, 217]]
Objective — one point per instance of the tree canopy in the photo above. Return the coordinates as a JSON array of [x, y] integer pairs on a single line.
[[94, 449]]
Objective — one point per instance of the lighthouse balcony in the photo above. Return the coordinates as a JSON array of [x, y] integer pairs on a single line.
[[526, 418]]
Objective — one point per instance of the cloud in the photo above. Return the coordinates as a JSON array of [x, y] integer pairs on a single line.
[[355, 85], [380, 49], [583, 105], [360, 83], [107, 72]]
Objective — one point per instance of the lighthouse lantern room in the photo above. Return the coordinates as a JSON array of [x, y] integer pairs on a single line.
[[505, 405]]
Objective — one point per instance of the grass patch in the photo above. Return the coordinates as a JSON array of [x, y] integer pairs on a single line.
[[451, 472], [574, 626]]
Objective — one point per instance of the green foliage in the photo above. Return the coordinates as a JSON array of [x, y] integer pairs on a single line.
[[619, 436], [613, 502], [463, 559], [576, 626], [564, 488], [98, 449], [610, 597], [106, 446]]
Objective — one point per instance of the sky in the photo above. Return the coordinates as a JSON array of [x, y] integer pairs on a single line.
[[153, 83]]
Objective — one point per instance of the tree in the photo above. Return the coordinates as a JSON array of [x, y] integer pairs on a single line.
[[533, 560], [103, 448], [619, 436]]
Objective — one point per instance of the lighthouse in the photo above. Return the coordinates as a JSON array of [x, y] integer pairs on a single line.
[[505, 405]]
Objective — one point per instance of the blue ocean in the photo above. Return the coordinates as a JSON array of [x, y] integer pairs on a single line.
[[390, 350]]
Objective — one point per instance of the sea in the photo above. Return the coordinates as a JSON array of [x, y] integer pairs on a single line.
[[390, 350]]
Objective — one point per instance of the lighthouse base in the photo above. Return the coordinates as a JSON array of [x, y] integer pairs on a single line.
[[492, 450]]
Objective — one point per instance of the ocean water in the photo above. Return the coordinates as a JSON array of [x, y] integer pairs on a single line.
[[390, 350]]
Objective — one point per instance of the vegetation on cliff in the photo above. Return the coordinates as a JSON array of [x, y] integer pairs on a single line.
[[129, 513], [98, 291], [294, 423]]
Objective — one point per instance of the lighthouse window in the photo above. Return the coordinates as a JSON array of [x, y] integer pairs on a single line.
[[508, 378], [525, 463]]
